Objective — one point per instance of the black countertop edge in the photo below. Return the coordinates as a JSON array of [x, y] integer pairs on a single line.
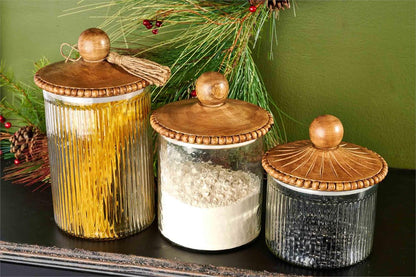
[[114, 264]]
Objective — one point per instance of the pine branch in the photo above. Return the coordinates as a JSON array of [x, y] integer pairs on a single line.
[[30, 109], [197, 36], [7, 109]]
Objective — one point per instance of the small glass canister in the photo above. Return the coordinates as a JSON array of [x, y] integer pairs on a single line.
[[97, 119], [210, 174], [321, 198]]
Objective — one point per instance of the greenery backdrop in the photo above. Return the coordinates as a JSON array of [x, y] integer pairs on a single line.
[[352, 59]]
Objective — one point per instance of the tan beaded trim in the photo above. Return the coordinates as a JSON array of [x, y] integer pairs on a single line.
[[324, 186], [210, 140], [88, 92]]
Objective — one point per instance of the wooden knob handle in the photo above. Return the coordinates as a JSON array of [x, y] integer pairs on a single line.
[[93, 45], [211, 89], [326, 131]]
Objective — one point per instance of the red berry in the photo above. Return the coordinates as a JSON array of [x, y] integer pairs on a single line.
[[7, 125], [16, 162], [159, 23], [193, 93], [149, 26], [2, 119], [253, 8], [146, 22], [155, 31], [1, 152]]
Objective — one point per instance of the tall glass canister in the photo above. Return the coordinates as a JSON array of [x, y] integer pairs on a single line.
[[100, 161], [321, 198], [210, 175], [99, 141]]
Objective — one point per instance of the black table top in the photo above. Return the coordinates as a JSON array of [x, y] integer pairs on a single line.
[[27, 221]]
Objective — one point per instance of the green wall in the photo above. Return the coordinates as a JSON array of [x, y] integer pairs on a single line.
[[353, 59], [31, 29]]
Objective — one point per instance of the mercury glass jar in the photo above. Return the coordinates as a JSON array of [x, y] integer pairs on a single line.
[[210, 174], [321, 198], [97, 119]]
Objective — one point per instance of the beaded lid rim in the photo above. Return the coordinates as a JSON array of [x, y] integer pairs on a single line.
[[91, 75], [320, 185], [325, 162], [89, 92], [210, 140], [211, 118]]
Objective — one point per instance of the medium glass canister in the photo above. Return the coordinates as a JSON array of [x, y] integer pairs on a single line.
[[210, 197], [99, 147], [210, 186], [321, 198]]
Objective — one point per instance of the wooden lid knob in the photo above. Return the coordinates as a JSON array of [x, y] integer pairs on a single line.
[[211, 89], [326, 131], [93, 45]]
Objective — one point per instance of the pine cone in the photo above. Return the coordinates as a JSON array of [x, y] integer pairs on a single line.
[[26, 143], [278, 4], [273, 5]]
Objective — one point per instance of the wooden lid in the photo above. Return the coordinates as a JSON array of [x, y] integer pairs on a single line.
[[92, 75], [325, 163], [211, 119]]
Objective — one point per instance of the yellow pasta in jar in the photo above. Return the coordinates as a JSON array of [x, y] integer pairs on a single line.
[[101, 164]]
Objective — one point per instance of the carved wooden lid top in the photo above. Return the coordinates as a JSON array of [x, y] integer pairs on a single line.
[[325, 163], [90, 76], [211, 119]]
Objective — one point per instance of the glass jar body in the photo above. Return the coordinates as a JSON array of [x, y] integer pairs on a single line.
[[101, 164], [321, 230], [209, 198]]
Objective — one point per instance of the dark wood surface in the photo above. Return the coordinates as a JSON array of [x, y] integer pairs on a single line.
[[29, 235], [14, 269]]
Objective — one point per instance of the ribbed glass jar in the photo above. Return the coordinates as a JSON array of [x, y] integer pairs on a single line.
[[319, 229], [210, 196], [101, 164]]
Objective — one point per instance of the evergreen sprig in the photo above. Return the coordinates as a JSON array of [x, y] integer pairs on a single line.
[[27, 107], [195, 36]]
